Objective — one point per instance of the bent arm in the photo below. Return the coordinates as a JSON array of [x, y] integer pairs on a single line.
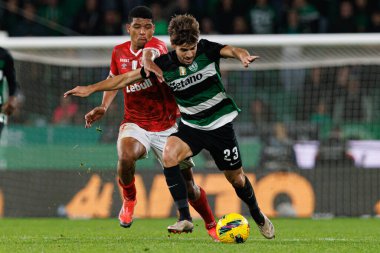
[[115, 83], [108, 96], [238, 53], [149, 66]]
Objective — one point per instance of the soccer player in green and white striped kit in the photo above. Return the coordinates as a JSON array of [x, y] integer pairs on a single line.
[[7, 77], [192, 72]]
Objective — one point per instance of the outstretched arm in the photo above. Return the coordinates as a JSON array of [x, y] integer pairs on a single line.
[[114, 83], [238, 53]]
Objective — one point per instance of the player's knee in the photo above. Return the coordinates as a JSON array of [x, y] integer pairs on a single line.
[[236, 180], [169, 158], [237, 183], [127, 161]]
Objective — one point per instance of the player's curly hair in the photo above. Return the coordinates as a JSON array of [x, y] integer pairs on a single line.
[[183, 29]]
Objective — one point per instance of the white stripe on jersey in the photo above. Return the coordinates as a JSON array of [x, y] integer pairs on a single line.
[[203, 106], [227, 118]]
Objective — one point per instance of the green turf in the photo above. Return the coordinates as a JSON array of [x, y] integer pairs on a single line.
[[292, 235]]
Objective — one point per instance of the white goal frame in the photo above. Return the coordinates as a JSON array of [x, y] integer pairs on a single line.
[[290, 49]]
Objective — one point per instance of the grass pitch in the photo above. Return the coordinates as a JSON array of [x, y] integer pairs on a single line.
[[150, 235]]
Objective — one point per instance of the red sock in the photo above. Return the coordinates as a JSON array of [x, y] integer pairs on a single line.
[[129, 191], [202, 206]]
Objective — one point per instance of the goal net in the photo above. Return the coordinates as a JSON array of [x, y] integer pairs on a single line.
[[310, 107]]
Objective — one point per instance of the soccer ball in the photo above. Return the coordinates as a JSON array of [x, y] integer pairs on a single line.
[[232, 228]]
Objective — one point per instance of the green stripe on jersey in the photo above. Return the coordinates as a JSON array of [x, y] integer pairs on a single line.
[[200, 97]]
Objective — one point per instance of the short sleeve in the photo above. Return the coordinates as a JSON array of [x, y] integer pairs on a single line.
[[158, 46], [160, 62], [211, 49]]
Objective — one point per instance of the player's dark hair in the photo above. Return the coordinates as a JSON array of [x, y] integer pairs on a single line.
[[183, 29], [140, 12]]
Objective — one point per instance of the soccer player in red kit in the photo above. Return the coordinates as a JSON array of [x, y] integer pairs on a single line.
[[150, 114]]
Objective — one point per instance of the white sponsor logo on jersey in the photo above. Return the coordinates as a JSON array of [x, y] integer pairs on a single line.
[[124, 60], [184, 83], [139, 86], [193, 79]]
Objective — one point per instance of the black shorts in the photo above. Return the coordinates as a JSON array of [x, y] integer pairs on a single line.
[[221, 143]]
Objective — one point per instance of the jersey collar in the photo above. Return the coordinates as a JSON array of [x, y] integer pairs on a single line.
[[133, 52]]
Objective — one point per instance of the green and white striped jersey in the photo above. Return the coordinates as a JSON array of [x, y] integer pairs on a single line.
[[198, 88], [7, 80], [7, 76], [2, 82]]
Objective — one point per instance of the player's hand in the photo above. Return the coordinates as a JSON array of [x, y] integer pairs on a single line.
[[151, 67], [246, 60], [94, 115], [79, 91], [9, 106]]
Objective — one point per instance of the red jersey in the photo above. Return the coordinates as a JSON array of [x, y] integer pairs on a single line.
[[148, 103]]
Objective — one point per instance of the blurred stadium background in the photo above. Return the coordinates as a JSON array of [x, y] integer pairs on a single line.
[[309, 129]]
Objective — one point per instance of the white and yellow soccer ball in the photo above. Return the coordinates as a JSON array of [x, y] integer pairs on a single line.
[[232, 228]]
